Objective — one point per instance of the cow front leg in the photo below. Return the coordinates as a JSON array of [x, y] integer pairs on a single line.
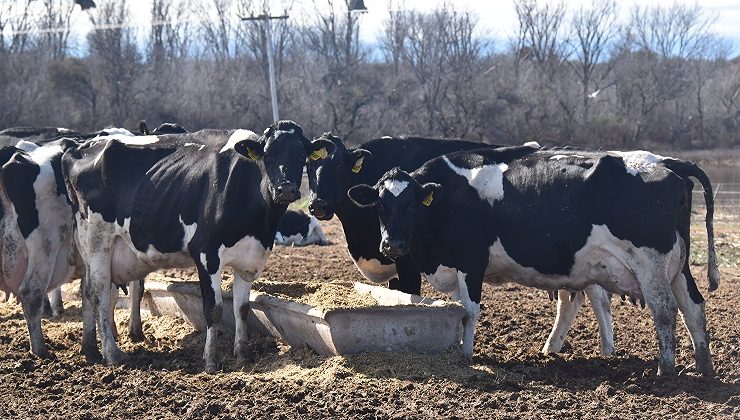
[[32, 297], [213, 309], [242, 289], [567, 310], [470, 299], [695, 320], [136, 293], [409, 278], [601, 304]]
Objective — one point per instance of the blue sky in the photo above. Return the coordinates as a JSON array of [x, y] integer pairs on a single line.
[[496, 17]]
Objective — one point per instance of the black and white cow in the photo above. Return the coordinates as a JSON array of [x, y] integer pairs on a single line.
[[164, 128], [333, 169], [209, 199], [547, 222], [37, 250], [296, 228]]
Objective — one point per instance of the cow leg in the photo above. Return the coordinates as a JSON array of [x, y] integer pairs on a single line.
[[601, 303], [409, 278], [566, 314], [89, 339], [213, 309], [100, 287], [136, 293], [113, 302], [32, 300], [57, 306], [694, 317], [655, 288], [470, 299], [241, 291]]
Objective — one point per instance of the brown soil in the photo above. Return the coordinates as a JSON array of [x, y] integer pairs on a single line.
[[508, 377]]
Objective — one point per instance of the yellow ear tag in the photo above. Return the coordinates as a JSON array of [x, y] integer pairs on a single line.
[[358, 165], [428, 201], [318, 154], [252, 155]]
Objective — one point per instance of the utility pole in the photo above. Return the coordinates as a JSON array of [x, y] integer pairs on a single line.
[[270, 57]]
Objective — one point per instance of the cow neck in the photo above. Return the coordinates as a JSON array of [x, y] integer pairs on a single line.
[[425, 243]]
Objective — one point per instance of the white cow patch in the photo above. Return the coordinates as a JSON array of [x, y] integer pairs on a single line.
[[387, 137], [114, 131], [638, 161], [532, 144], [189, 231], [278, 133], [63, 130], [236, 137], [487, 180], [198, 145], [374, 271], [26, 146], [558, 157], [613, 263], [395, 187]]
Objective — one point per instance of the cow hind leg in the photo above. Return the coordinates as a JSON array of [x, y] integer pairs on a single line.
[[659, 298], [694, 318], [136, 293], [89, 339], [566, 314], [241, 291], [113, 302], [213, 309], [57, 306], [32, 300], [601, 305], [100, 285]]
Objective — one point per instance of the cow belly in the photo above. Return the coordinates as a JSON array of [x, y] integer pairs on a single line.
[[604, 260], [374, 271], [128, 264]]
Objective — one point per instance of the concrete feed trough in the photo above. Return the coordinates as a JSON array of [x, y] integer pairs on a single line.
[[400, 322]]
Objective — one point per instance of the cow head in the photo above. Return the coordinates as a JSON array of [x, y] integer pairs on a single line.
[[282, 152], [330, 167], [398, 198]]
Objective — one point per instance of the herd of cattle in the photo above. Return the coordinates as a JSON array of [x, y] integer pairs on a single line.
[[110, 207]]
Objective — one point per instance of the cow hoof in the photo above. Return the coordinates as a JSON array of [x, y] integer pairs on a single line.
[[666, 371], [44, 353], [92, 354], [211, 368], [116, 357], [136, 336]]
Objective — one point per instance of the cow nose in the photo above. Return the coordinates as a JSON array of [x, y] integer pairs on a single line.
[[393, 248], [319, 209], [287, 193]]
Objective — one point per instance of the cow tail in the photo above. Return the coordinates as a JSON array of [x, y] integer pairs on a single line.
[[685, 169]]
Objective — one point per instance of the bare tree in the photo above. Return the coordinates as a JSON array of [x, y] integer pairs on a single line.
[[592, 32]]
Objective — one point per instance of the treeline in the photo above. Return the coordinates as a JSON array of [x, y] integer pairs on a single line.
[[658, 79]]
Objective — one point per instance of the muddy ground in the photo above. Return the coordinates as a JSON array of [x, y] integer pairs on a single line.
[[508, 378]]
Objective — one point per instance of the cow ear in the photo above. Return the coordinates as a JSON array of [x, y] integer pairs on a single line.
[[429, 193], [358, 158], [319, 149], [363, 195], [250, 148]]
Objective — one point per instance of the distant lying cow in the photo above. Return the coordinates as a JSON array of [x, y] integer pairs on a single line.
[[209, 199], [552, 223], [296, 228]]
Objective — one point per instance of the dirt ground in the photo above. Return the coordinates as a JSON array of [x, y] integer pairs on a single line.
[[508, 378]]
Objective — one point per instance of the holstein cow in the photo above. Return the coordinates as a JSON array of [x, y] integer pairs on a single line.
[[17, 136], [36, 229], [209, 199], [569, 303], [296, 228], [333, 169], [549, 223]]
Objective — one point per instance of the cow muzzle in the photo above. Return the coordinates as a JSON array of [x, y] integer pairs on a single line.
[[320, 209], [287, 193], [393, 248]]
